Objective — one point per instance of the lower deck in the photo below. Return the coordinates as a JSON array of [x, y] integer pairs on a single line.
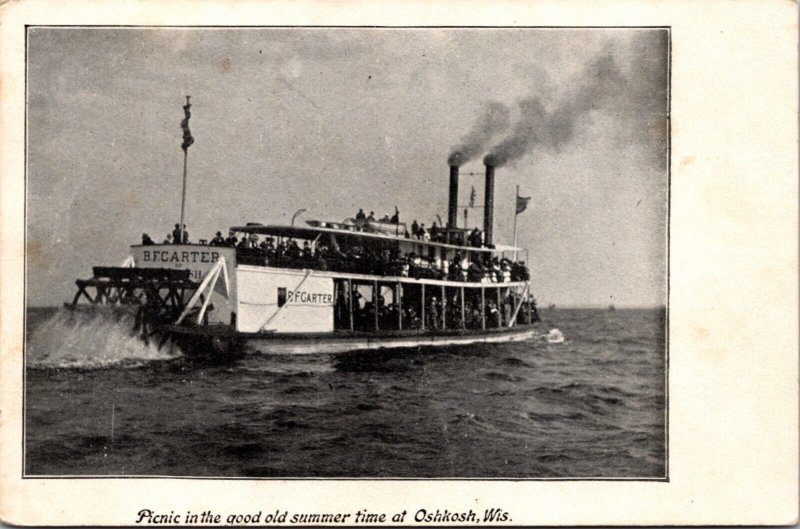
[[223, 339], [311, 301]]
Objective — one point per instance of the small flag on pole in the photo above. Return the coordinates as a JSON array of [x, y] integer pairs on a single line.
[[522, 204], [187, 134], [472, 197]]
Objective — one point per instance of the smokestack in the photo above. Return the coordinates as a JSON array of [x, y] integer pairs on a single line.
[[488, 203], [452, 204]]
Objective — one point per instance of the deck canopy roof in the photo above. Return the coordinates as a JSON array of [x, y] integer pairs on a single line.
[[309, 232]]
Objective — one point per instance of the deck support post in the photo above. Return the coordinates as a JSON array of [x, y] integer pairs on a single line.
[[375, 302], [530, 307], [399, 303], [463, 315], [483, 308], [499, 310], [517, 306], [350, 301], [422, 302], [444, 309]]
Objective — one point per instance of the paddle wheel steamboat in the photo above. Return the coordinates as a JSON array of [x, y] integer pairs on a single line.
[[325, 287]]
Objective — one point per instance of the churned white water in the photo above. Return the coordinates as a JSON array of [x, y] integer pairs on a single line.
[[101, 339]]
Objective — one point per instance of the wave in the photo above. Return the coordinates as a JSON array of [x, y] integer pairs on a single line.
[[517, 362], [101, 338], [503, 377]]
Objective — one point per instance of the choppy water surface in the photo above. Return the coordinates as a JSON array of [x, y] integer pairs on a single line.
[[101, 403]]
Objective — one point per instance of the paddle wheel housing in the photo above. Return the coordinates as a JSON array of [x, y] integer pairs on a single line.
[[158, 293]]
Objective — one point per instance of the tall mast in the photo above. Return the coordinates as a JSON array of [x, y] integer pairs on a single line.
[[187, 142]]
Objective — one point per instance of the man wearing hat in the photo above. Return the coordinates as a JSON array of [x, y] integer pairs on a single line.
[[218, 240]]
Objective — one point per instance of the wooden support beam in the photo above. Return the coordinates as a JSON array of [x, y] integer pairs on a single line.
[[444, 309], [463, 314], [530, 305], [499, 310], [399, 303], [350, 301], [483, 308], [375, 303], [422, 302]]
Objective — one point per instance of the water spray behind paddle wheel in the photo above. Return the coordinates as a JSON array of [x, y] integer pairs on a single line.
[[91, 339]]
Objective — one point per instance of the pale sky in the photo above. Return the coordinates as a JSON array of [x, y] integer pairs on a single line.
[[335, 119]]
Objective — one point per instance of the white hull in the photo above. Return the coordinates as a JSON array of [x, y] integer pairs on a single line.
[[340, 345]]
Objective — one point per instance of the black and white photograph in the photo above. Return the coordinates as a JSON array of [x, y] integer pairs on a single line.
[[347, 252]]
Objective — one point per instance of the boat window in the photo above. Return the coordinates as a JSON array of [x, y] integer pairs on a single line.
[[281, 296]]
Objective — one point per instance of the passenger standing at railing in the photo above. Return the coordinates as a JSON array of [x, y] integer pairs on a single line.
[[505, 269], [435, 232], [454, 271], [410, 318], [360, 215], [433, 314], [340, 311], [292, 249], [475, 238], [168, 240], [217, 240], [268, 247], [475, 272], [493, 313], [414, 228]]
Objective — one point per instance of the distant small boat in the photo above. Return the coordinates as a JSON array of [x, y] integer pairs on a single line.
[[612, 308], [551, 306], [555, 336]]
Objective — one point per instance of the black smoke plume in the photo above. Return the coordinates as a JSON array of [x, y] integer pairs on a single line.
[[599, 81], [495, 119]]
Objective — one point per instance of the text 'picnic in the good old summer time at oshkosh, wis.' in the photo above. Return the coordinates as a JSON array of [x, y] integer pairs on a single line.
[[282, 517]]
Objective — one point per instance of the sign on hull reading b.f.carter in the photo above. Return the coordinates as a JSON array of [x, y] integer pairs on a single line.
[[197, 258]]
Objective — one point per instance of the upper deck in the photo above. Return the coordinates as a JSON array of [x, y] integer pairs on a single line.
[[354, 233], [350, 250]]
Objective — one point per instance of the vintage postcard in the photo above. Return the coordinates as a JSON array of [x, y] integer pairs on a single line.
[[311, 263]]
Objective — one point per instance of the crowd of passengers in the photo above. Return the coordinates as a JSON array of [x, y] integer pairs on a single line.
[[357, 259], [418, 230], [388, 313]]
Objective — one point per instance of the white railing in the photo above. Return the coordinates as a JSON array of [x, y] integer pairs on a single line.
[[208, 283]]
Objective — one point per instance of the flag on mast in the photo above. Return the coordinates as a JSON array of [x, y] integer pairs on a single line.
[[522, 203], [188, 140], [472, 197]]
